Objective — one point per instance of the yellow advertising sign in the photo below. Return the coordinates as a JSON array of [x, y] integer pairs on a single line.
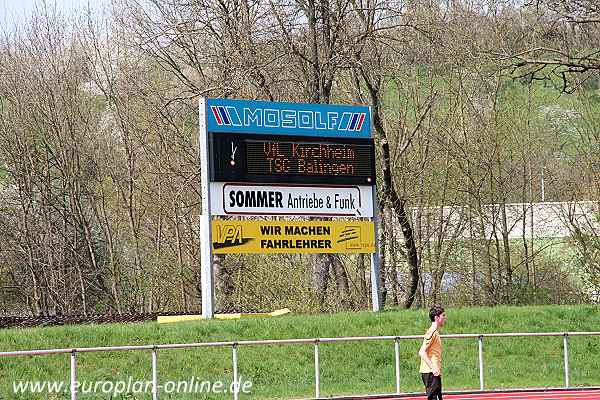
[[293, 236]]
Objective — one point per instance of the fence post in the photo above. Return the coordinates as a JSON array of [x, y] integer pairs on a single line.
[[397, 354], [317, 371], [566, 357], [235, 371], [73, 375], [481, 362], [154, 374]]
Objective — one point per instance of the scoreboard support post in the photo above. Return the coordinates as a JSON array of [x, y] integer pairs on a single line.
[[375, 260], [206, 256]]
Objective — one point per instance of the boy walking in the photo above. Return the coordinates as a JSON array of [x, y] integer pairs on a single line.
[[431, 355]]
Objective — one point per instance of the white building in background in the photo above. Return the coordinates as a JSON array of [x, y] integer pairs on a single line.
[[529, 220]]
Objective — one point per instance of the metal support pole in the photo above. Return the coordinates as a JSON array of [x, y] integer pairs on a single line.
[[375, 261], [397, 354], [480, 362], [235, 371], [317, 371], [206, 257], [566, 357], [154, 374], [73, 375]]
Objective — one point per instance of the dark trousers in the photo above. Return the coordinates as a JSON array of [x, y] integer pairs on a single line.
[[433, 386]]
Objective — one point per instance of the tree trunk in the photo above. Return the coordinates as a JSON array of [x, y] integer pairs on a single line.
[[391, 197], [321, 265], [341, 279], [223, 283]]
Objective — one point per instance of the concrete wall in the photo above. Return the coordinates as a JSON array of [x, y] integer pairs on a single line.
[[537, 220]]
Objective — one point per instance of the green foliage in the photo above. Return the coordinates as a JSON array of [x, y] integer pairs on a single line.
[[586, 261]]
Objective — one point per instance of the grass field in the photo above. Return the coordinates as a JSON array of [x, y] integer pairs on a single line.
[[287, 371]]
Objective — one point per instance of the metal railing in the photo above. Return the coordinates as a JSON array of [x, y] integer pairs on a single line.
[[317, 342]]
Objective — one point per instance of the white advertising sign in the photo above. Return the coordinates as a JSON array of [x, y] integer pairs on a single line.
[[273, 199]]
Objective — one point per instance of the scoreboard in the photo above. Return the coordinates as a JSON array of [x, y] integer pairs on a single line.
[[292, 159], [262, 158]]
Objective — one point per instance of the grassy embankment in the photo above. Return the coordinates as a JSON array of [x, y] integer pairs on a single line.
[[287, 371]]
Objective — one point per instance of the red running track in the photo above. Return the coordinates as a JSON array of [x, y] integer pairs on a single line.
[[527, 395]]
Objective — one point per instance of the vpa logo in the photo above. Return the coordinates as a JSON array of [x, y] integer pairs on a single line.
[[229, 236]]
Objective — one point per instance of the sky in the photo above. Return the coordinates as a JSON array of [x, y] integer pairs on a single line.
[[15, 12]]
